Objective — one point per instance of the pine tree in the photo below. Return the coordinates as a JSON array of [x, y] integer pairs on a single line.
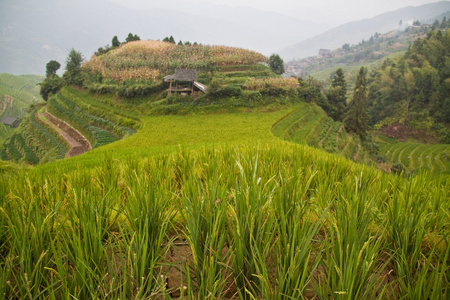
[[115, 41], [357, 117], [73, 74], [337, 96]]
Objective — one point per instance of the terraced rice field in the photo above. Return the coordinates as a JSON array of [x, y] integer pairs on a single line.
[[417, 156], [309, 125], [36, 139]]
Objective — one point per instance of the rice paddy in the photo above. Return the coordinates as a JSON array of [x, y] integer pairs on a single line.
[[218, 206]]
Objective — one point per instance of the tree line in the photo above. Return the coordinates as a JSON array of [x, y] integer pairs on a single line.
[[115, 43], [72, 75], [413, 90]]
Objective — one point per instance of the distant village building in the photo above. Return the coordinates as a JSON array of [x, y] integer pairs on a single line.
[[10, 121], [184, 81], [324, 53]]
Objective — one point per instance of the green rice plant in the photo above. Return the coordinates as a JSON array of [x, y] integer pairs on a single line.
[[92, 119], [84, 242], [46, 137], [351, 268], [204, 218], [249, 221], [30, 156], [293, 243], [3, 154], [115, 114], [97, 136], [409, 222], [12, 150], [30, 223], [148, 213]]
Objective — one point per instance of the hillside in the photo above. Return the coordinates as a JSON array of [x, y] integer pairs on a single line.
[[355, 32], [17, 93], [412, 157], [310, 125], [243, 189], [125, 84], [197, 206], [373, 50], [152, 60], [30, 37]]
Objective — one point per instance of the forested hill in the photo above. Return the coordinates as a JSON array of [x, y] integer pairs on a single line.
[[354, 32], [371, 50], [414, 89]]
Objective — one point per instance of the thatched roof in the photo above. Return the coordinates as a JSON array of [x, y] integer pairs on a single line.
[[182, 75], [11, 121]]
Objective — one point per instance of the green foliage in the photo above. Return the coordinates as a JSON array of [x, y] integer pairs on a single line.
[[131, 38], [115, 41], [310, 90], [17, 93], [397, 168], [73, 74], [96, 135], [356, 119], [16, 149], [34, 144], [276, 64], [50, 86], [308, 124], [133, 89], [263, 220], [51, 68], [414, 156], [169, 40], [373, 51], [337, 96], [226, 91], [414, 88]]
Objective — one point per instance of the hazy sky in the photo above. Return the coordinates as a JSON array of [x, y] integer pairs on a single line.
[[332, 12]]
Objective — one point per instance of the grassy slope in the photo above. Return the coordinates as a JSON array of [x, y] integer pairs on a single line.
[[109, 211], [308, 124], [22, 89], [165, 134], [416, 156]]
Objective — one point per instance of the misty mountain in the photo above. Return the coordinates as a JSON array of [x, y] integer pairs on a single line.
[[33, 32], [355, 32]]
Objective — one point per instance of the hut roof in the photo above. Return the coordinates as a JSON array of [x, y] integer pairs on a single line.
[[8, 120], [182, 75]]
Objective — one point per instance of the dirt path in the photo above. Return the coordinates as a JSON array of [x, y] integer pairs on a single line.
[[356, 155], [77, 142]]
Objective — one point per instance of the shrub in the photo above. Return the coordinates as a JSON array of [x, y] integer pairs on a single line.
[[397, 168], [227, 91]]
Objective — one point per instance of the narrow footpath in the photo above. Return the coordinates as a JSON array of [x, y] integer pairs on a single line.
[[77, 142]]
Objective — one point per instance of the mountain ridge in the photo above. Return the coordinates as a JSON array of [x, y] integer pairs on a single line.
[[353, 32], [34, 32]]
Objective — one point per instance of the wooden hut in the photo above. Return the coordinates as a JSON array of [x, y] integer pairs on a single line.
[[10, 121], [184, 81]]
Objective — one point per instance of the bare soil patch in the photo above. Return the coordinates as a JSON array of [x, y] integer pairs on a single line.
[[78, 144], [403, 132]]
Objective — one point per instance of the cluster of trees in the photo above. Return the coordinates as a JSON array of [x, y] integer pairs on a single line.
[[353, 113], [180, 43], [115, 43], [73, 74], [415, 88]]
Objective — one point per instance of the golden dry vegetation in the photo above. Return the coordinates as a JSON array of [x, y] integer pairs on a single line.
[[152, 59]]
